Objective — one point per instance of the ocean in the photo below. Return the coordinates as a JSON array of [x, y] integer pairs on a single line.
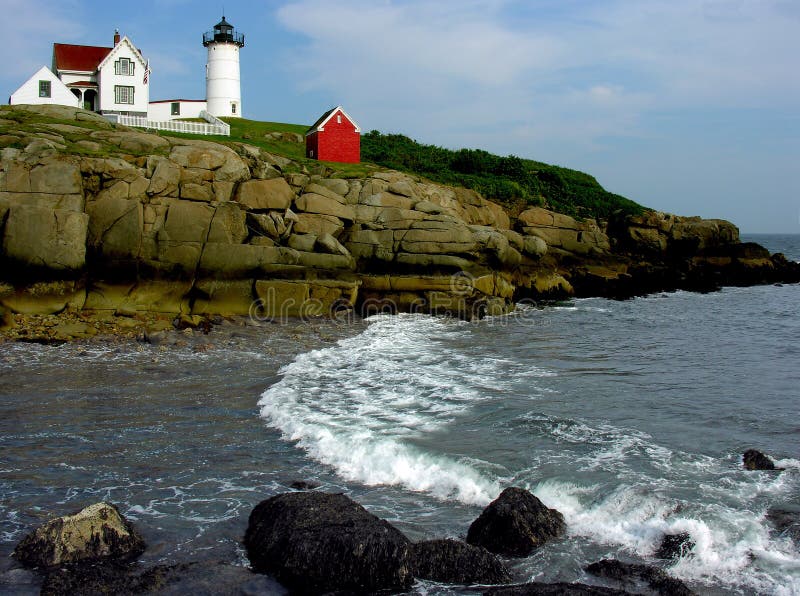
[[629, 417]]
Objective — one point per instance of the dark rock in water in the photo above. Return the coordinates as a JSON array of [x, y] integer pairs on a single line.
[[786, 520], [515, 524], [20, 581], [209, 578], [319, 542], [304, 485], [557, 589], [675, 546], [633, 574], [454, 562], [96, 532], [755, 460], [106, 577]]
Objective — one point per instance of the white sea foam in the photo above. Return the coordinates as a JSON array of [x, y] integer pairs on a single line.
[[358, 406], [734, 545]]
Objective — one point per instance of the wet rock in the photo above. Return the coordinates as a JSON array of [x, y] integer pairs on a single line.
[[515, 524], [454, 562], [675, 546], [96, 532], [786, 520], [319, 542], [208, 578], [107, 578], [755, 460], [304, 485], [556, 589], [635, 575]]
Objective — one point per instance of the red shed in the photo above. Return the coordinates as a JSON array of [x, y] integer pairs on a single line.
[[334, 137]]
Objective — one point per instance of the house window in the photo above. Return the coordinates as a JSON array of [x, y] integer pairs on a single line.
[[44, 89], [123, 94], [233, 108], [124, 66], [176, 109], [338, 118]]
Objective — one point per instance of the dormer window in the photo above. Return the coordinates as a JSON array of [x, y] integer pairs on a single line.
[[124, 66]]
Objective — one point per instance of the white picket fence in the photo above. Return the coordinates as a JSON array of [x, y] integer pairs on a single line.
[[215, 126]]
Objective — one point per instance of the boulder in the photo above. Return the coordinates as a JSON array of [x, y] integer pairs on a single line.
[[164, 177], [302, 242], [50, 238], [638, 575], [192, 191], [515, 524], [534, 246], [328, 244], [57, 177], [755, 460], [316, 203], [317, 542], [115, 227], [675, 546], [200, 154], [337, 185], [314, 223], [263, 225], [262, 195], [402, 188], [455, 562], [187, 221], [387, 199], [96, 532], [318, 187], [228, 224]]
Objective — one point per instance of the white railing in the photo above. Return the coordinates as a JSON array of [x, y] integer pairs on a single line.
[[215, 126]]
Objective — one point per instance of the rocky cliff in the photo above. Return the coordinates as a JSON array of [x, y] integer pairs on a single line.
[[105, 218]]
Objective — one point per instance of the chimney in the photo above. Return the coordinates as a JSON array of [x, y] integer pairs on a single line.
[[116, 36]]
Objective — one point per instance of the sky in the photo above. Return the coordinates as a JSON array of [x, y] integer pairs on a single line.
[[686, 106]]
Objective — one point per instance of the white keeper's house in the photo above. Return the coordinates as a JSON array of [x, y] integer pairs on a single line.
[[115, 81]]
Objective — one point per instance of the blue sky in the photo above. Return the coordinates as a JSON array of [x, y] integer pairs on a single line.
[[691, 107]]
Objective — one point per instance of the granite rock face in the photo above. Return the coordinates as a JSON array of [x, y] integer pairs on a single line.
[[132, 212]]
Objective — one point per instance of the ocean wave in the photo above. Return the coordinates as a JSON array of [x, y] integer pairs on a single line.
[[359, 405]]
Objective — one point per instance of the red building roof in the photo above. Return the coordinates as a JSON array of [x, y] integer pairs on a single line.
[[80, 58]]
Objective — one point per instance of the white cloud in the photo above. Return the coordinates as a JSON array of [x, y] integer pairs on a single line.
[[37, 24]]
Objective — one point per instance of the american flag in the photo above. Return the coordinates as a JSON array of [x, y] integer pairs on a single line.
[[146, 72]]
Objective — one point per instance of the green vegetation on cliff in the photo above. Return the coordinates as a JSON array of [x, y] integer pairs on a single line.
[[512, 181]]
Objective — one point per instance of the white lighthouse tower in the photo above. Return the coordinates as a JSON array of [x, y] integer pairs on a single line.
[[223, 87]]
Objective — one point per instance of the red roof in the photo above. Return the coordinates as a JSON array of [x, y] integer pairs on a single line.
[[82, 84], [80, 58]]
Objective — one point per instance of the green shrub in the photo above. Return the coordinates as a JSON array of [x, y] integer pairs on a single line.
[[507, 180]]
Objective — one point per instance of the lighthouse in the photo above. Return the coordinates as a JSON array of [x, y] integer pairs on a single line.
[[223, 87]]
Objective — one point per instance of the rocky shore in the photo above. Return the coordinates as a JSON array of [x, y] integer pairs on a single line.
[[310, 542], [121, 223], [319, 543]]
